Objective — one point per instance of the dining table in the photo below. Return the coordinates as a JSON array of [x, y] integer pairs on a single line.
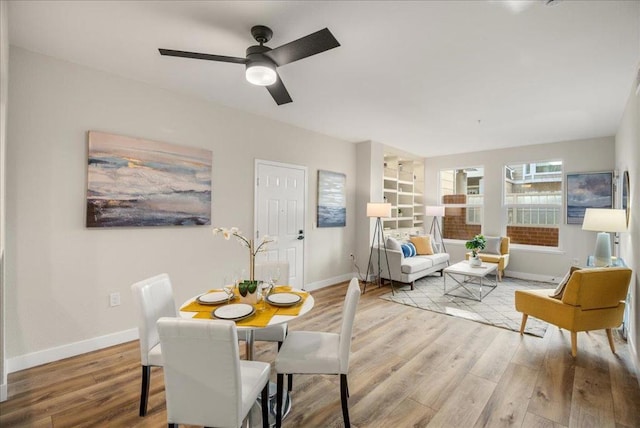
[[280, 306]]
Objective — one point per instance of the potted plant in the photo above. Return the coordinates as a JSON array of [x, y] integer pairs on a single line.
[[248, 292], [476, 244]]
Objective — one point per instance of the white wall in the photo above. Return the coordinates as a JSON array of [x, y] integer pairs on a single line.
[[370, 168], [62, 273], [4, 84], [577, 156], [628, 159]]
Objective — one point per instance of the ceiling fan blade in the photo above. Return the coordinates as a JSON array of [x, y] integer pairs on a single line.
[[304, 47], [279, 92], [209, 57]]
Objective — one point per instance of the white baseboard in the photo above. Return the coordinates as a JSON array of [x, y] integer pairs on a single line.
[[3, 392], [45, 356], [532, 276], [330, 281]]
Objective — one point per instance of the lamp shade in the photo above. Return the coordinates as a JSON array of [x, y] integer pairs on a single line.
[[378, 209], [435, 211], [605, 220], [261, 73]]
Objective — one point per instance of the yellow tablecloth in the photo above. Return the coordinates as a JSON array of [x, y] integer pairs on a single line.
[[264, 312]]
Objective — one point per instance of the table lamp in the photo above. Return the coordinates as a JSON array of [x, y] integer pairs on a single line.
[[604, 221], [378, 210]]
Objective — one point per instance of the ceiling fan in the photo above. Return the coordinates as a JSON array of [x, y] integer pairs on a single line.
[[261, 61]]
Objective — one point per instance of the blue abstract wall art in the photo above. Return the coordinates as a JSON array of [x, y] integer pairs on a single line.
[[332, 199]]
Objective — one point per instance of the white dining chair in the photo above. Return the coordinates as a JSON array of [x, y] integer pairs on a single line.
[[153, 299], [206, 383], [314, 352]]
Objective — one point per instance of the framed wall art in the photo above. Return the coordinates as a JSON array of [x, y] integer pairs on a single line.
[[587, 190], [132, 182], [626, 195], [332, 199]]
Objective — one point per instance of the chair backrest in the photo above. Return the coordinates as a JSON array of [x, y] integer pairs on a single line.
[[201, 371], [153, 298], [348, 316], [597, 288], [264, 269]]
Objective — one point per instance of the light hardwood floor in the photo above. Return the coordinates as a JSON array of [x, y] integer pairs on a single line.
[[409, 368]]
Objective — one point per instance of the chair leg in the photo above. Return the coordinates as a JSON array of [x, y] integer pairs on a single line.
[[144, 392], [610, 337], [574, 343], [344, 394], [524, 323], [290, 382], [279, 392], [265, 406]]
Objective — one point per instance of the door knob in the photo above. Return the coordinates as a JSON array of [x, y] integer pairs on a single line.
[[300, 235]]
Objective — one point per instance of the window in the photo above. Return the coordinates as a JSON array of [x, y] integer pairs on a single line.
[[462, 194], [533, 200]]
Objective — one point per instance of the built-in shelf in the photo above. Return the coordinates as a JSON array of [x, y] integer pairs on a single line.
[[403, 188]]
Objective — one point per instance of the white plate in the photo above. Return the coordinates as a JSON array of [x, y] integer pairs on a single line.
[[235, 312], [283, 299], [213, 298]]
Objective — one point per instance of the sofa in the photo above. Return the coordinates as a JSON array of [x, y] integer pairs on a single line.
[[497, 252], [407, 269]]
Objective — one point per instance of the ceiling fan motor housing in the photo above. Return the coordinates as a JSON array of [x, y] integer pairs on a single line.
[[260, 70], [255, 56]]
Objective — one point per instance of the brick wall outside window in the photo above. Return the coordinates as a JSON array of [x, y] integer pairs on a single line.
[[543, 236], [454, 223]]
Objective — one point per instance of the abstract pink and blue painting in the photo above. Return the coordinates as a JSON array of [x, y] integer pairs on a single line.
[[133, 182]]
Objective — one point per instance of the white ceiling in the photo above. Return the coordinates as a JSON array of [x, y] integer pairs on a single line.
[[430, 77]]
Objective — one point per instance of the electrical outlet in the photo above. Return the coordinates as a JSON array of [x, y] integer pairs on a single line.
[[114, 299], [575, 261]]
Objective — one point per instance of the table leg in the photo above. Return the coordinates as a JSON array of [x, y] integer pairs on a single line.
[[249, 345], [255, 417]]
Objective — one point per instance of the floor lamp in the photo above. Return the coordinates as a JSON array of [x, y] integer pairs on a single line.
[[378, 210], [436, 212], [603, 221]]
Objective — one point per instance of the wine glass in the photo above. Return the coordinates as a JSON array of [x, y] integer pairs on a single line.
[[275, 276], [265, 290], [227, 287]]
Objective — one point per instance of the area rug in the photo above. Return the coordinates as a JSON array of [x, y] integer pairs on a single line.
[[497, 308]]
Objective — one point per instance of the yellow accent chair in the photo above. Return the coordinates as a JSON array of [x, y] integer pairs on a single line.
[[593, 299], [501, 259]]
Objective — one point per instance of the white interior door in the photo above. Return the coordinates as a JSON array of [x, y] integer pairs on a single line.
[[280, 199]]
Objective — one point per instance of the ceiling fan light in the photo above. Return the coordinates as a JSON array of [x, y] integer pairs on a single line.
[[261, 74]]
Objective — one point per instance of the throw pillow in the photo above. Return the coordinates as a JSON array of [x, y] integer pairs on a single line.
[[393, 244], [413, 249], [493, 245], [408, 249], [423, 245], [559, 291]]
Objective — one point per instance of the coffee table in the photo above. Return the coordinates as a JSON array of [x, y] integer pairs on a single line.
[[471, 279]]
